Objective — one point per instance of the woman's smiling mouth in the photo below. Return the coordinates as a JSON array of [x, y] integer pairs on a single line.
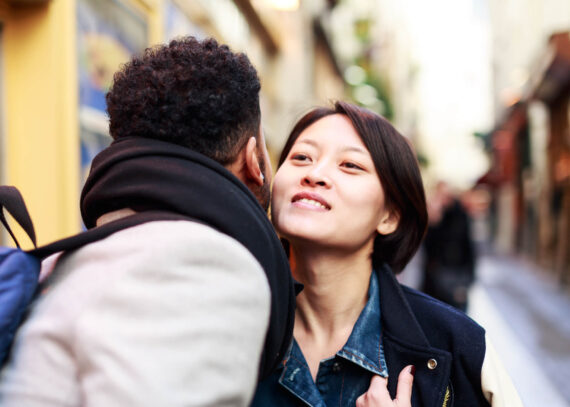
[[310, 200]]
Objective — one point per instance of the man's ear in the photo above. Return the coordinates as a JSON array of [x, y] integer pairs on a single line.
[[388, 223], [252, 169]]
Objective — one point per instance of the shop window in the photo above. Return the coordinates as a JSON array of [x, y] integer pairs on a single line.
[[109, 32], [177, 23]]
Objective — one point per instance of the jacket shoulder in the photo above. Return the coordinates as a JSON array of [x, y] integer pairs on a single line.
[[445, 326]]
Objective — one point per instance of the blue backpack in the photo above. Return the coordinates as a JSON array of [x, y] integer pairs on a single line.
[[20, 269]]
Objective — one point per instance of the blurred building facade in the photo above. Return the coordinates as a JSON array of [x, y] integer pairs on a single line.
[[530, 142], [57, 59], [429, 66]]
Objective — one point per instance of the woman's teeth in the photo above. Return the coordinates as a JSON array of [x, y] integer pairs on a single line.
[[312, 202]]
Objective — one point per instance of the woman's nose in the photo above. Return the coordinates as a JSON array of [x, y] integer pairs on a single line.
[[316, 177]]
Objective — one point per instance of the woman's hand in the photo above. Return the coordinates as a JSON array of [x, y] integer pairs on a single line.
[[378, 395]]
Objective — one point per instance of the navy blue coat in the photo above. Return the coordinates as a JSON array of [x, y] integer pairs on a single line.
[[419, 330]]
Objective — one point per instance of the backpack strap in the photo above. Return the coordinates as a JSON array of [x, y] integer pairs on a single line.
[[103, 231], [12, 201]]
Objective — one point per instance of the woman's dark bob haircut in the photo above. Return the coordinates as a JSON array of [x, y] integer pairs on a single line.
[[399, 173]]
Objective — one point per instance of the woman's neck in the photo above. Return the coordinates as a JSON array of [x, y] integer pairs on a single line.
[[336, 291]]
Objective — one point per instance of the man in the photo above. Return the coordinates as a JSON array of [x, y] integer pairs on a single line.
[[172, 312]]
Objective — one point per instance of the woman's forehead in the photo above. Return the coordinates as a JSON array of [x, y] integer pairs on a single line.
[[337, 129]]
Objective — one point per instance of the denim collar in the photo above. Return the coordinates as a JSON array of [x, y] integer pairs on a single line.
[[363, 347]]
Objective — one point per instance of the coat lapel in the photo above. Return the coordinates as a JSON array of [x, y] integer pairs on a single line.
[[405, 343]]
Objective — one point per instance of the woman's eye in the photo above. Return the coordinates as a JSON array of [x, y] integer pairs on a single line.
[[300, 157], [352, 166]]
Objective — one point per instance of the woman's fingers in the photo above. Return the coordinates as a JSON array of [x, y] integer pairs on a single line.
[[378, 395], [405, 382]]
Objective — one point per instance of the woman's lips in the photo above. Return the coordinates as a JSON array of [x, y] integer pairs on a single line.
[[311, 200]]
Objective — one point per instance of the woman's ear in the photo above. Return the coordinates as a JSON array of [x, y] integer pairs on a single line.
[[388, 223]]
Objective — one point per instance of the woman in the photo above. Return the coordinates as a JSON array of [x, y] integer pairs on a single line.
[[349, 201]]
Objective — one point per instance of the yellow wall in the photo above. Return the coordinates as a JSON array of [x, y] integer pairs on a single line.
[[40, 100], [40, 105]]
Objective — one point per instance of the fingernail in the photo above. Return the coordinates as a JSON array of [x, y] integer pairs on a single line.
[[412, 370]]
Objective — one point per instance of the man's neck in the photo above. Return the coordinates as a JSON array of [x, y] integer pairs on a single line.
[[115, 215]]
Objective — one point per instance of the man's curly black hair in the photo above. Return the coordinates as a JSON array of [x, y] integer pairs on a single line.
[[197, 94]]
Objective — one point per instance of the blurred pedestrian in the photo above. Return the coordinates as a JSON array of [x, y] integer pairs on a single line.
[[349, 201], [449, 252], [170, 312]]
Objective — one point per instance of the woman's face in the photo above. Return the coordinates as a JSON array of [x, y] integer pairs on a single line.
[[327, 191]]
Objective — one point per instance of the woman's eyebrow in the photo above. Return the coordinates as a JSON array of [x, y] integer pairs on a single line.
[[309, 142], [354, 149], [345, 149]]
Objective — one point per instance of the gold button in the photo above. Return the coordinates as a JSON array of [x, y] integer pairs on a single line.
[[432, 364]]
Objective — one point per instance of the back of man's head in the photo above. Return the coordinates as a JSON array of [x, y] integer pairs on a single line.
[[197, 94]]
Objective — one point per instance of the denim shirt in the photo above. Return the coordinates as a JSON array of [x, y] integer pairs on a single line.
[[342, 378]]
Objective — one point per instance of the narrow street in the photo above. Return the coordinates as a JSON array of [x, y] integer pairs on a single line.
[[527, 318]]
